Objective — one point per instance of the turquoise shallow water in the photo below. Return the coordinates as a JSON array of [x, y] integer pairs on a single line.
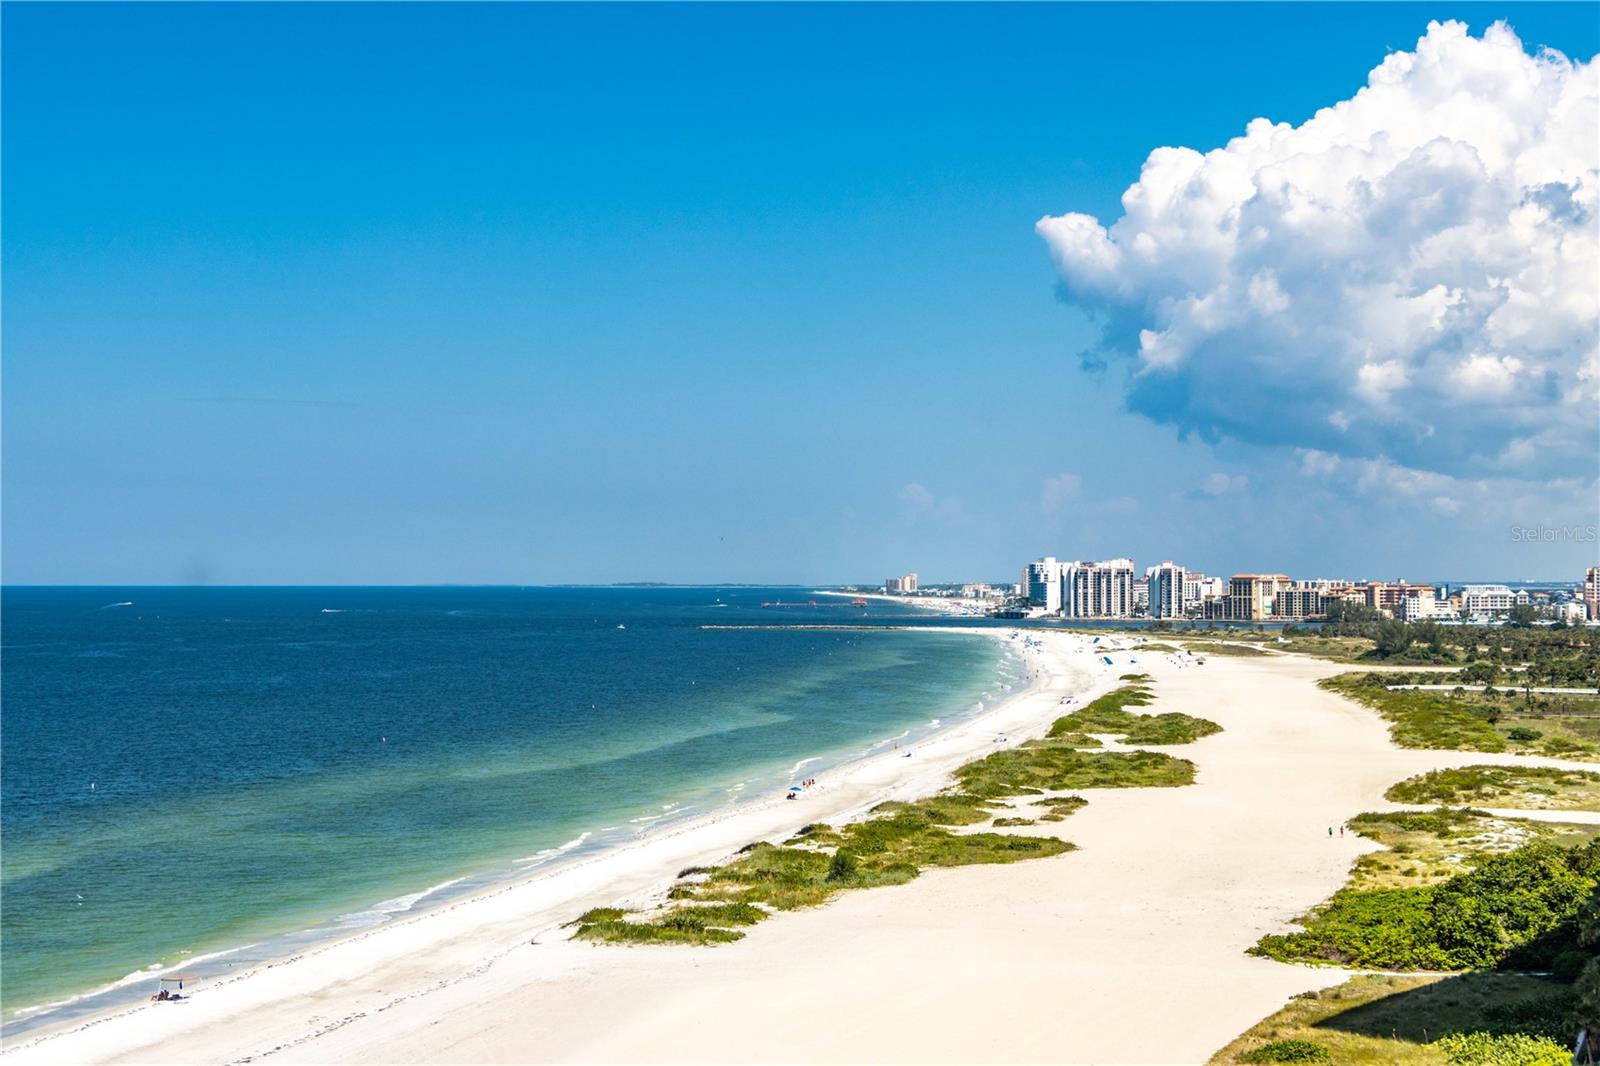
[[191, 771]]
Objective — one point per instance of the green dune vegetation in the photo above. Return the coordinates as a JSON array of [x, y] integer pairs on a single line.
[[1516, 909], [1109, 715], [1525, 787], [1466, 719], [1492, 705], [1213, 647], [1513, 903], [711, 905], [1477, 1019], [1428, 847]]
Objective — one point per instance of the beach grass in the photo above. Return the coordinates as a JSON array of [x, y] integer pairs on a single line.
[[1382, 1019], [1527, 787], [713, 923], [1334, 649], [1427, 847], [1211, 647], [1058, 808], [1041, 766], [1109, 715], [1420, 719], [1472, 718]]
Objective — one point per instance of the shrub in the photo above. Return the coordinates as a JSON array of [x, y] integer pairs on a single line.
[[1523, 733], [1550, 1016], [1051, 765], [1498, 786], [843, 867], [1289, 1051], [1420, 719], [1518, 909], [1513, 1049]]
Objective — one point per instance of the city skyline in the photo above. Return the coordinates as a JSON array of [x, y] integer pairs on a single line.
[[534, 295]]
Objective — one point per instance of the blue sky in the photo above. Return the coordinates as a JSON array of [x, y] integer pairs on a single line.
[[318, 293]]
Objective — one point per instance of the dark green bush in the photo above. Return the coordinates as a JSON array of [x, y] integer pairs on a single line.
[[1289, 1051], [1516, 910]]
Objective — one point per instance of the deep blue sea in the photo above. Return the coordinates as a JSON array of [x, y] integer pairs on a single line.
[[193, 771]]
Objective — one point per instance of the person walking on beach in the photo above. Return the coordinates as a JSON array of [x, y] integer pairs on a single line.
[[1330, 830]]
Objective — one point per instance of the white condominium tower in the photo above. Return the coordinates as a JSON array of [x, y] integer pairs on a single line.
[[1041, 584], [1098, 590], [1167, 595]]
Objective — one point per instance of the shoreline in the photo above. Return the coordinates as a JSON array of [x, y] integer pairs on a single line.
[[946, 605], [631, 871]]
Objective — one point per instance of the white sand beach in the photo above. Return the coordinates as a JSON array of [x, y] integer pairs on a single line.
[[1130, 949]]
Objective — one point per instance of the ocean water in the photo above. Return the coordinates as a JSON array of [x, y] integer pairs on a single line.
[[192, 772]]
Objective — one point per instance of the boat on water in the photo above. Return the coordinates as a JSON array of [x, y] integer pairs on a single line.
[[858, 602]]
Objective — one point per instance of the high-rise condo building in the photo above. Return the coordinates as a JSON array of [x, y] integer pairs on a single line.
[[1591, 591], [1041, 584], [1168, 590], [1097, 590], [901, 585], [1305, 601], [1386, 596]]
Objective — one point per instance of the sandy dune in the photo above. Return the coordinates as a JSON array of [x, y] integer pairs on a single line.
[[1130, 949]]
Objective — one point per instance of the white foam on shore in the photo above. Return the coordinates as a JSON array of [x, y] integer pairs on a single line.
[[540, 857], [888, 740], [385, 909], [149, 973], [796, 767]]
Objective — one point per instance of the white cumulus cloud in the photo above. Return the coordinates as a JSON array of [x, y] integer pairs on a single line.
[[1412, 275], [1056, 491], [1220, 484]]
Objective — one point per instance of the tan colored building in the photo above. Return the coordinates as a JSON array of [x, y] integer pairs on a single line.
[[1248, 596], [1386, 596]]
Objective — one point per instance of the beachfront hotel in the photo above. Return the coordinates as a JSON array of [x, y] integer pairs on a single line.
[[901, 585]]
